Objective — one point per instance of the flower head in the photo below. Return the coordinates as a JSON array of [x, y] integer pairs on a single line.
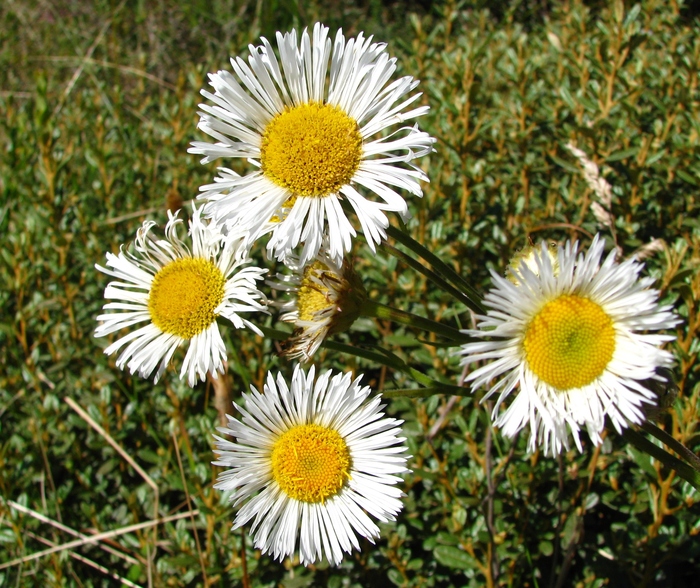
[[573, 341], [528, 257], [309, 462], [313, 141], [325, 299], [180, 291]]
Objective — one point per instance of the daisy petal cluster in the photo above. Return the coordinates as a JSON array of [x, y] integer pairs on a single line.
[[310, 463], [179, 290], [324, 298], [316, 122], [570, 340]]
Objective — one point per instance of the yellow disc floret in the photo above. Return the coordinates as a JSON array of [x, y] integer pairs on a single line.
[[570, 342], [312, 149], [311, 463], [184, 295], [312, 296], [527, 256]]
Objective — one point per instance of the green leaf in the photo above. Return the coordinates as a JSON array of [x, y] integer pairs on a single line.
[[684, 175], [565, 164], [453, 557], [623, 154], [395, 577]]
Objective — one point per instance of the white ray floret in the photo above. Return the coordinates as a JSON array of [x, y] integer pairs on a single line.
[[179, 290], [283, 470], [569, 337], [316, 124]]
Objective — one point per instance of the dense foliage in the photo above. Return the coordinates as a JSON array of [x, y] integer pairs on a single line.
[[98, 104]]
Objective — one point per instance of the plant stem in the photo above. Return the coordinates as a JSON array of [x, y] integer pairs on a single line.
[[435, 278], [439, 266], [383, 357], [370, 308], [680, 467], [672, 443]]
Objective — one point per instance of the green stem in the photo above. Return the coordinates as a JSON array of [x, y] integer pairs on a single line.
[[673, 444], [370, 308], [440, 266], [382, 357], [432, 276], [680, 467], [424, 392], [240, 367], [385, 357]]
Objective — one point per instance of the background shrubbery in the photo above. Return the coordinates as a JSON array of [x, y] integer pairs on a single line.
[[97, 107]]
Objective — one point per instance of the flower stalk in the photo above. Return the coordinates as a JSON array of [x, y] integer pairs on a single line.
[[374, 309], [685, 471]]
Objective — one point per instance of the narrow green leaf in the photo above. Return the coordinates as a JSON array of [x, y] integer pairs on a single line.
[[453, 557]]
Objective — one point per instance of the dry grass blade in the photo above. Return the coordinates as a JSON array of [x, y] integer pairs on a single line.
[[107, 437], [101, 63], [44, 519], [97, 538], [84, 60], [137, 213], [156, 499], [189, 508], [87, 561]]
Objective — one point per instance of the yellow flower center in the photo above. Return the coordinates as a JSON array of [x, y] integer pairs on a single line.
[[184, 295], [312, 296], [570, 342], [312, 149], [311, 463]]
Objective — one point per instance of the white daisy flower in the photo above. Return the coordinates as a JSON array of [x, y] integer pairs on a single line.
[[310, 463], [325, 298], [574, 342], [313, 146], [179, 291]]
